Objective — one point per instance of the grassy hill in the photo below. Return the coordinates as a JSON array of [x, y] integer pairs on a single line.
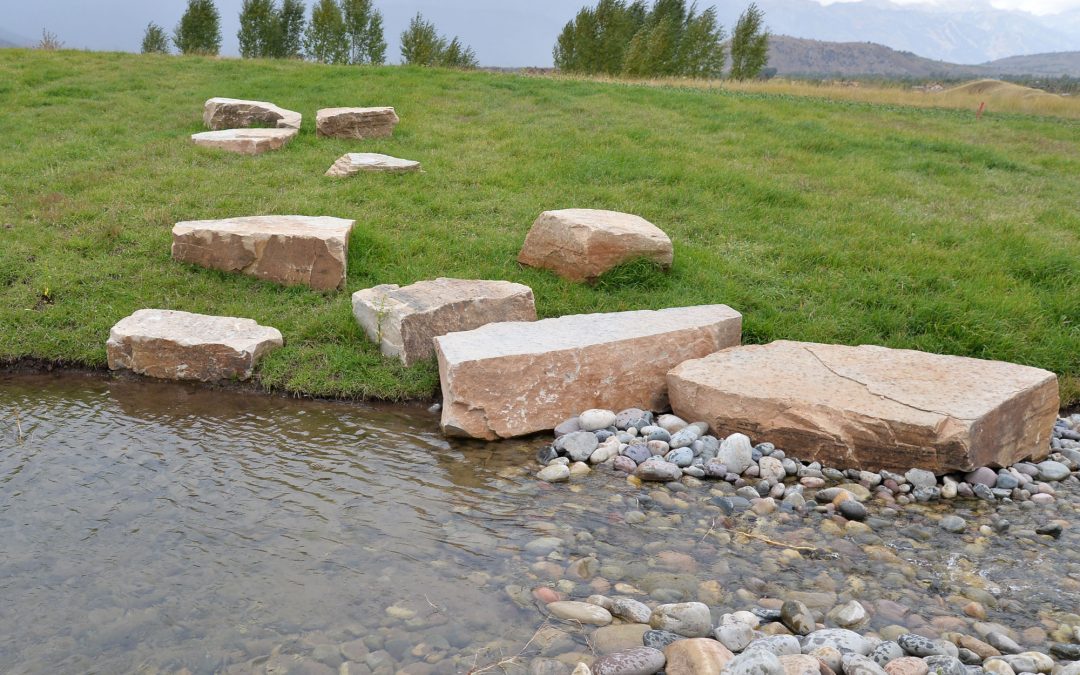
[[1054, 64], [816, 58], [819, 220], [802, 57]]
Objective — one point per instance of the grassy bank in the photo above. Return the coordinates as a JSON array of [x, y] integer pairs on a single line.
[[819, 220]]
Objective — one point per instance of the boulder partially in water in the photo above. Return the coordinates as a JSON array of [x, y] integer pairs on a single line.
[[517, 378], [871, 407], [175, 345]]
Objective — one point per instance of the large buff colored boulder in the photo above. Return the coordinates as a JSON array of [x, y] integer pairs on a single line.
[[244, 141], [353, 163], [582, 244], [512, 379], [182, 346], [291, 250], [696, 656], [872, 408], [232, 113], [356, 123], [405, 321]]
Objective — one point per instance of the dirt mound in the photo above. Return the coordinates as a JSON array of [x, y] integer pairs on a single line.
[[996, 89]]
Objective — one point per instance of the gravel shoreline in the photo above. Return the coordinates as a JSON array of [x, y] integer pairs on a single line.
[[664, 448]]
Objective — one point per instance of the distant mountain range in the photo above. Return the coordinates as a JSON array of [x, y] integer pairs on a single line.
[[964, 31], [801, 57], [9, 39]]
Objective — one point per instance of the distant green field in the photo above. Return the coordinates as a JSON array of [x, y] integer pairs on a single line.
[[820, 220]]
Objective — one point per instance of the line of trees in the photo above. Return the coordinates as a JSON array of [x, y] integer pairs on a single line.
[[422, 45], [671, 38], [339, 31]]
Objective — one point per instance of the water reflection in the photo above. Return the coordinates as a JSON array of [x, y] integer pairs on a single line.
[[153, 527]]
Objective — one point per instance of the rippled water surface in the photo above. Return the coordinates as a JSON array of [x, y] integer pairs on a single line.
[[150, 527]]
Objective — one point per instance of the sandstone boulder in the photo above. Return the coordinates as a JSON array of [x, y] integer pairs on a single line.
[[355, 123], [291, 250], [511, 379], [231, 113], [872, 408], [357, 162], [245, 141], [405, 321], [696, 656], [183, 346], [582, 244]]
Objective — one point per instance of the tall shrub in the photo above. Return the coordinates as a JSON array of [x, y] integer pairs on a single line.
[[199, 30], [749, 44], [363, 25], [155, 41], [259, 28], [326, 39], [630, 38]]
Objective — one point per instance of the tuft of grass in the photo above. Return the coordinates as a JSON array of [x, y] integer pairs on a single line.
[[639, 274], [824, 220]]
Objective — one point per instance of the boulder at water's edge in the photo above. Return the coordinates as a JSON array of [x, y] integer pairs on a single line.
[[870, 407], [512, 379]]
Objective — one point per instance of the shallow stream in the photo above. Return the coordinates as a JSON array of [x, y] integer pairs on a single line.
[[150, 527]]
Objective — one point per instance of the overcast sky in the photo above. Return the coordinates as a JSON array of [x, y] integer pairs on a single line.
[[1040, 7], [503, 32]]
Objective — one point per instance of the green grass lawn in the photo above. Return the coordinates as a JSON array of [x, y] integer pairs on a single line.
[[820, 221]]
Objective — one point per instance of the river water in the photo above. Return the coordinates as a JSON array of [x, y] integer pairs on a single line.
[[162, 528]]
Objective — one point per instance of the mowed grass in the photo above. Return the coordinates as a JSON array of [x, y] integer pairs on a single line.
[[819, 220], [995, 96]]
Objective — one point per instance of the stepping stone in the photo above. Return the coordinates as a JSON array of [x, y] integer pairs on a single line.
[[404, 321], [245, 141], [355, 123], [355, 162], [511, 379], [872, 408], [582, 244], [291, 250], [183, 346], [231, 113]]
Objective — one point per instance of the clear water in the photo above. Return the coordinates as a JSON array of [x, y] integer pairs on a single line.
[[149, 527]]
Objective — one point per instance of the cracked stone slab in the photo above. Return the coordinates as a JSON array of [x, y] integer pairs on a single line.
[[405, 321], [582, 244], [175, 345], [232, 113], [353, 163], [516, 378], [290, 250], [244, 141], [356, 123], [872, 408]]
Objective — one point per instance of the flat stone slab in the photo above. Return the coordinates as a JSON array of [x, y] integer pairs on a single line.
[[872, 408], [356, 162], [245, 141], [232, 113], [291, 250], [582, 244], [356, 123], [182, 346], [511, 379], [405, 321]]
